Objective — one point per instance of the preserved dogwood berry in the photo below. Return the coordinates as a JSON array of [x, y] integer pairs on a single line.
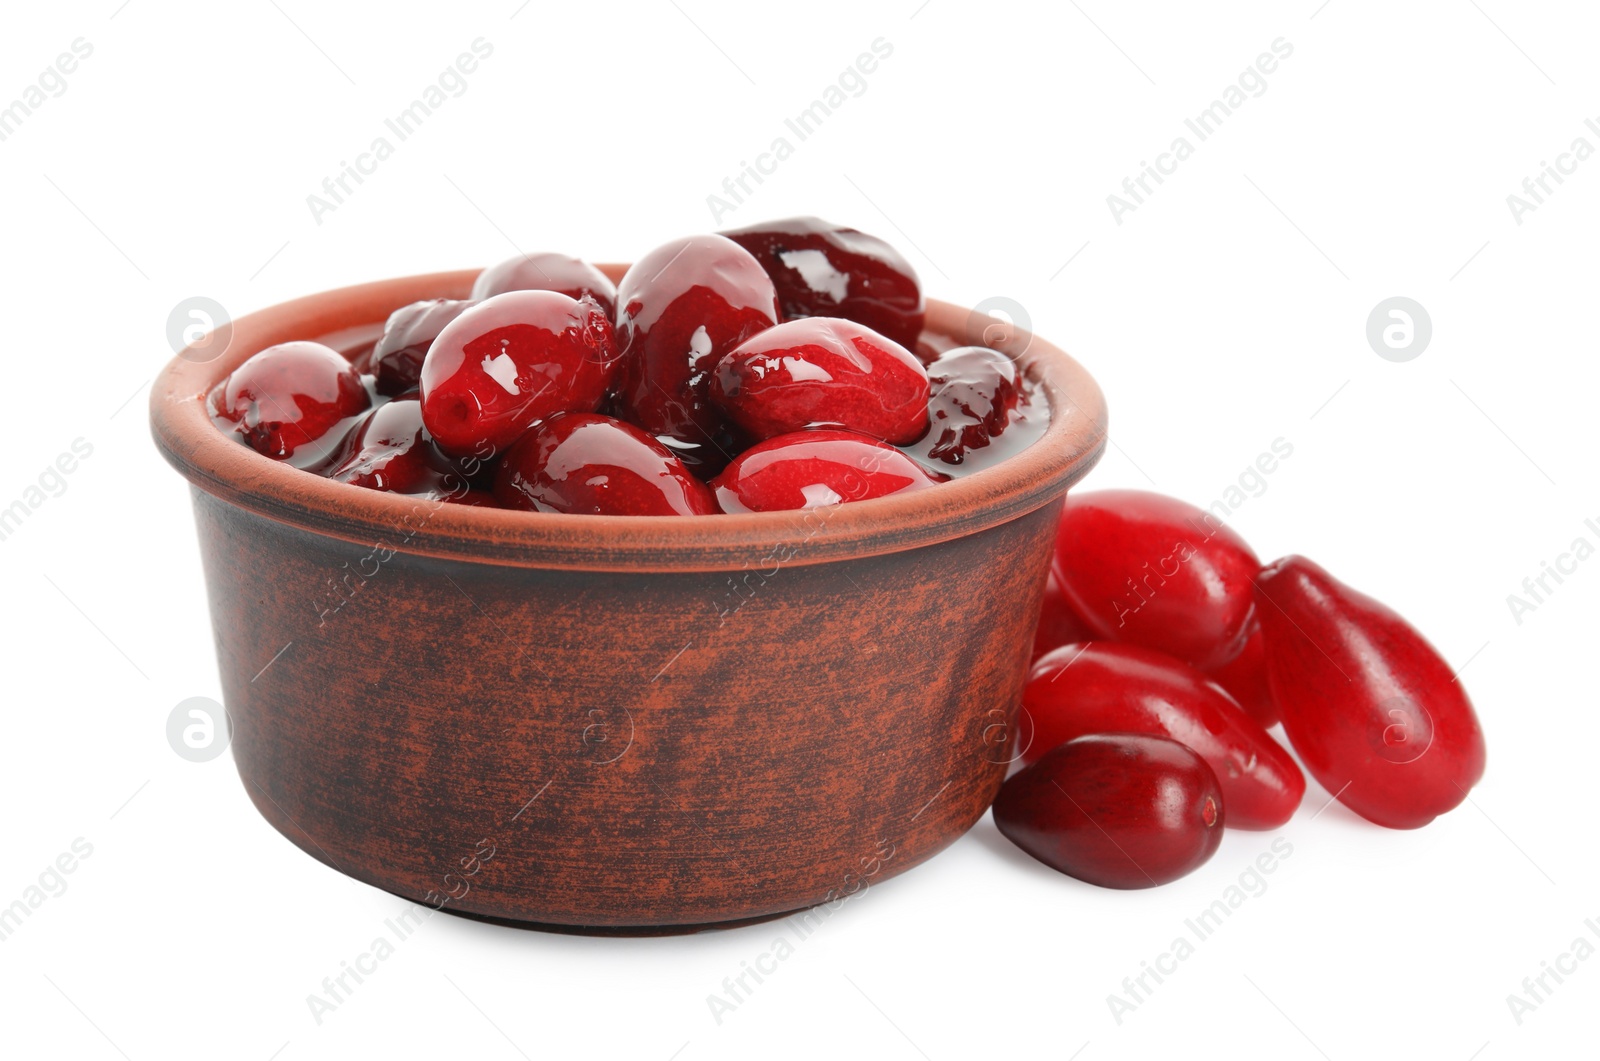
[[285, 400], [592, 464], [823, 372], [397, 359], [572, 277], [813, 469], [823, 270], [974, 390], [680, 308], [511, 361]]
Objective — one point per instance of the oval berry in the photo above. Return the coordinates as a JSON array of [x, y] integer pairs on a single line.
[[1245, 679], [1103, 687], [680, 308], [591, 464], [510, 361], [1375, 713], [1155, 571], [823, 270], [409, 331], [572, 277], [809, 469], [974, 392], [823, 372], [1120, 810], [285, 399], [390, 450]]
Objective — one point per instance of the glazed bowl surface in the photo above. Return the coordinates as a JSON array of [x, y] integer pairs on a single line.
[[618, 723]]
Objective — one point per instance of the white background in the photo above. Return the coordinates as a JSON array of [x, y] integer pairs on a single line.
[[1225, 312]]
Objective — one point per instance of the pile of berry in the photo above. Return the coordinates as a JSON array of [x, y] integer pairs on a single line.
[[780, 366], [1166, 651]]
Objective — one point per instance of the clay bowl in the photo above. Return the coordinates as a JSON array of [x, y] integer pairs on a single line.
[[623, 724]]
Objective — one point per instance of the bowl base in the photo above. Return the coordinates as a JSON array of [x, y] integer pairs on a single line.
[[621, 931]]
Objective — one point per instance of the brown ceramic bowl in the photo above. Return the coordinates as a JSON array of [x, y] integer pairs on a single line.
[[617, 723]]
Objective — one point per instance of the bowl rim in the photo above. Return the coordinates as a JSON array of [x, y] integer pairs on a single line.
[[218, 465]]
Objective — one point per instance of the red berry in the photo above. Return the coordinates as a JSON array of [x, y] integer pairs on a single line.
[[1375, 713], [1245, 678], [510, 361], [1154, 571], [1120, 810], [410, 330], [809, 469], [823, 270], [1058, 623], [823, 372], [680, 308], [974, 390], [285, 399], [593, 464], [1103, 687], [390, 450], [572, 277]]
